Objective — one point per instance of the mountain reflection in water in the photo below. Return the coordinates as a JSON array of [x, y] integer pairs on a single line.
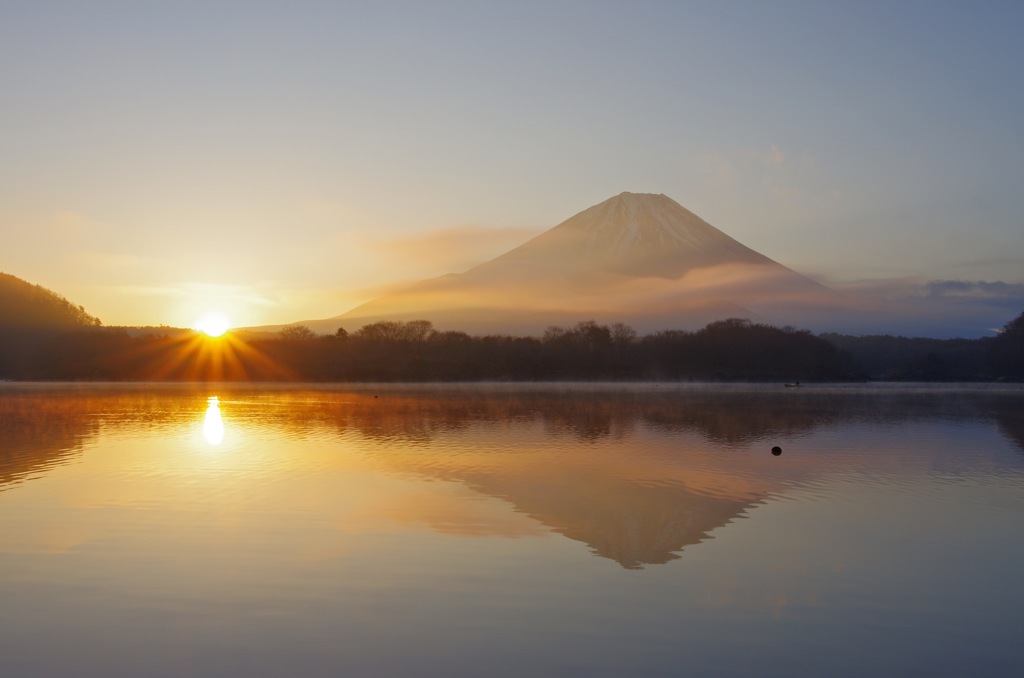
[[638, 474]]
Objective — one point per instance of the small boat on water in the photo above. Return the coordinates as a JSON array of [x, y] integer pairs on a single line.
[[794, 384]]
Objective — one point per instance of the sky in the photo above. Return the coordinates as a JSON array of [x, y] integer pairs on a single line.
[[288, 161]]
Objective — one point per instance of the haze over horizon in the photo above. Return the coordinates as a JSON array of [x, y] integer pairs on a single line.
[[286, 163], [636, 258]]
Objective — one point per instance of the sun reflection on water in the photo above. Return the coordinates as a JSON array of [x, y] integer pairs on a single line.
[[213, 423]]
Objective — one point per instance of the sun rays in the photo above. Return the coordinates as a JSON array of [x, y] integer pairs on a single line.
[[201, 356]]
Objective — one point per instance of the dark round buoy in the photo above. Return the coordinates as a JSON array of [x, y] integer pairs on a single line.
[[776, 450]]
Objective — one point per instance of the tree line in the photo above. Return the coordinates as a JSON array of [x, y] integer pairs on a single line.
[[414, 351], [726, 350]]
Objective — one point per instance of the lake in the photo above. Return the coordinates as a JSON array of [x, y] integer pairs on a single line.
[[558, 529]]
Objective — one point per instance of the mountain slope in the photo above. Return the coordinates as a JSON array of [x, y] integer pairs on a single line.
[[31, 307], [641, 259], [632, 234]]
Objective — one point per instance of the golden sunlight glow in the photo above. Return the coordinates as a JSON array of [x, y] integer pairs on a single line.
[[213, 423], [213, 324]]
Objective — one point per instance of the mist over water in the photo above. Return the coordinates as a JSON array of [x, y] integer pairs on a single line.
[[510, 530]]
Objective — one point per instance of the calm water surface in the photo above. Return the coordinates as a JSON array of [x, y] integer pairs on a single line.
[[511, 530]]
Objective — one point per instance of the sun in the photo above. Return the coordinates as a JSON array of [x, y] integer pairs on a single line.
[[213, 324]]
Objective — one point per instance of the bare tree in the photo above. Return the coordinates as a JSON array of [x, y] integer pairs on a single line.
[[297, 333]]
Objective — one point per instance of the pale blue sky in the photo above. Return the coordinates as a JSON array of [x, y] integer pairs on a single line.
[[288, 160]]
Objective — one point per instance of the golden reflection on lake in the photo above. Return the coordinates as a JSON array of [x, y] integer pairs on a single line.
[[449, 530], [213, 422]]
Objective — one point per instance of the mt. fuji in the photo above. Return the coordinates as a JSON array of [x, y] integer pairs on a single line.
[[632, 234], [636, 258]]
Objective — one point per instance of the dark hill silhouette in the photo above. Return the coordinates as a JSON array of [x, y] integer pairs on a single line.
[[1007, 351], [30, 317], [25, 306]]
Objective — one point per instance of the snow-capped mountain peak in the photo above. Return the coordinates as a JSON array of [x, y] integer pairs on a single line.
[[642, 234]]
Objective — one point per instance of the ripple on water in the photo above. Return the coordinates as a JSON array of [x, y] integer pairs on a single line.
[[633, 529]]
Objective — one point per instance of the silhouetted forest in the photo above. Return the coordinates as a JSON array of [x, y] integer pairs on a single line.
[[889, 358], [727, 350], [31, 315], [23, 304], [1007, 350]]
